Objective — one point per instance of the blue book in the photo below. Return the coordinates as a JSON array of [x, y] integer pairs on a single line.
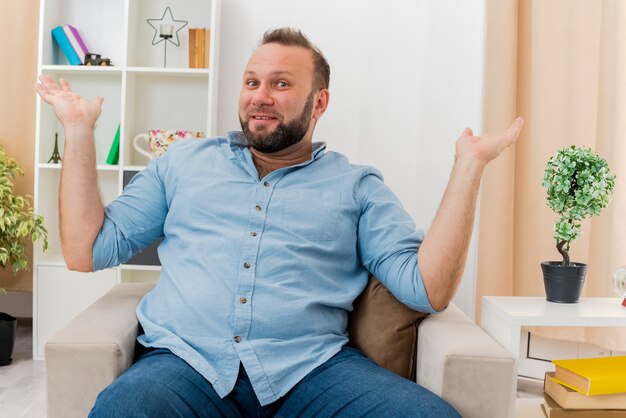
[[59, 36]]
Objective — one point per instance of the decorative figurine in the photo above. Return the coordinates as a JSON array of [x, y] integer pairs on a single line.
[[56, 157], [94, 59]]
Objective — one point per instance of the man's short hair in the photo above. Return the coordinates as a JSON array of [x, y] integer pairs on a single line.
[[294, 37]]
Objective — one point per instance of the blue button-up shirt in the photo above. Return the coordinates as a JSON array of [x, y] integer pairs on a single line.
[[259, 271]]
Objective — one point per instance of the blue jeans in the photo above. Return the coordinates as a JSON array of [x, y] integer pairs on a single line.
[[160, 384]]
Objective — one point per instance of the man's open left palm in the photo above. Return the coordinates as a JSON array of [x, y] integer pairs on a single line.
[[488, 146]]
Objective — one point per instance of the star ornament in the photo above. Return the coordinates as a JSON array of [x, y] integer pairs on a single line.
[[166, 19]]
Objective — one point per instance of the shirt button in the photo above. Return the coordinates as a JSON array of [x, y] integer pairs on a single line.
[[253, 233], [266, 184], [246, 265], [243, 300], [237, 339], [258, 208]]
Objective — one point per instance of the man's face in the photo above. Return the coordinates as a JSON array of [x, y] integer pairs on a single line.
[[276, 102]]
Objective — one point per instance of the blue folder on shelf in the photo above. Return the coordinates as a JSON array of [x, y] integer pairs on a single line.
[[68, 50]]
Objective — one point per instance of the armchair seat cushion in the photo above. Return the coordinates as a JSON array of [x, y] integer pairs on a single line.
[[385, 330]]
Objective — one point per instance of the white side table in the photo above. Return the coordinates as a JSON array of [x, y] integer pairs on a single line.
[[503, 316]]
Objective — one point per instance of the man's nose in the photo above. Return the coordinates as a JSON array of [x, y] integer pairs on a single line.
[[262, 96]]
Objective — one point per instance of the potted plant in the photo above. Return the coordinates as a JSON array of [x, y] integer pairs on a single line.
[[579, 184], [18, 224]]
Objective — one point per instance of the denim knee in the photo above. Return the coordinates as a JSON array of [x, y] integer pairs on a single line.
[[350, 385], [161, 384]]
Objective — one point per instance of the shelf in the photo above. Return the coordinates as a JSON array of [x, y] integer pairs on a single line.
[[100, 167], [64, 69], [49, 166], [133, 167], [103, 167], [139, 267], [59, 261], [87, 69], [175, 72], [51, 262]]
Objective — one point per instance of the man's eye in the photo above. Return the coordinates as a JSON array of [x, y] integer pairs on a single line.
[[282, 84], [251, 83]]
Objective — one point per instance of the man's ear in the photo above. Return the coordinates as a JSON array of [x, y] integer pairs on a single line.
[[321, 103]]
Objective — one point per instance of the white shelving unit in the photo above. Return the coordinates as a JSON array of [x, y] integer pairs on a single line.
[[139, 94]]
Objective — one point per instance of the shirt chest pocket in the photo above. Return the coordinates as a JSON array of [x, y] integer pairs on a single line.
[[311, 214]]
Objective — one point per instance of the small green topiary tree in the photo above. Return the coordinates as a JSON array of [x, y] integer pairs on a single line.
[[18, 222], [579, 185]]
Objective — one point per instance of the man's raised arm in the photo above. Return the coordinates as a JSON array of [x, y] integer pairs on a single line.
[[443, 252], [80, 207]]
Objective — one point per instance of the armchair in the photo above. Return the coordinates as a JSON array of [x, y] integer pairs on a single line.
[[455, 358]]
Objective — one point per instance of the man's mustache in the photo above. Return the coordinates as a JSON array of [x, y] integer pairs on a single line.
[[264, 112]]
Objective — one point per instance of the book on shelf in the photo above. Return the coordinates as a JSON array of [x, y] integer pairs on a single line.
[[192, 48], [592, 376], [207, 44], [77, 42], [552, 410], [66, 47], [570, 399], [199, 47], [114, 151]]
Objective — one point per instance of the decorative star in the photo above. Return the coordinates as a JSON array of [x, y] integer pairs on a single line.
[[176, 24]]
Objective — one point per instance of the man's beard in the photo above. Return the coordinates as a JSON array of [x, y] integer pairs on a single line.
[[285, 135]]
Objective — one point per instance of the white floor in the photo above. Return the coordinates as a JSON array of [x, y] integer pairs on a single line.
[[22, 383], [529, 398], [23, 388]]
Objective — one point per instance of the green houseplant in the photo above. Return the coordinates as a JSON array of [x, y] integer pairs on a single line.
[[579, 185], [18, 224]]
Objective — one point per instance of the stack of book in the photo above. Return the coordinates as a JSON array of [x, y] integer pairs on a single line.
[[199, 46], [586, 387], [71, 44]]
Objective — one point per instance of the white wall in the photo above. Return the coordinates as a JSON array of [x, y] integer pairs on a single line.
[[18, 304], [406, 79]]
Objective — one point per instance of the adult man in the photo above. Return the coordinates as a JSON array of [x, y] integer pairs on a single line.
[[268, 239]]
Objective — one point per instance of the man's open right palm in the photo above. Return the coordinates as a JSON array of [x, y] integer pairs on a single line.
[[70, 108]]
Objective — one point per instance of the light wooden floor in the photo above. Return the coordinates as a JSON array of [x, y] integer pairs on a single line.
[[529, 388], [22, 383], [23, 388]]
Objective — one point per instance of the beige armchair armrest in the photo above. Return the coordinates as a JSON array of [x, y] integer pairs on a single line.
[[91, 351], [460, 362]]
